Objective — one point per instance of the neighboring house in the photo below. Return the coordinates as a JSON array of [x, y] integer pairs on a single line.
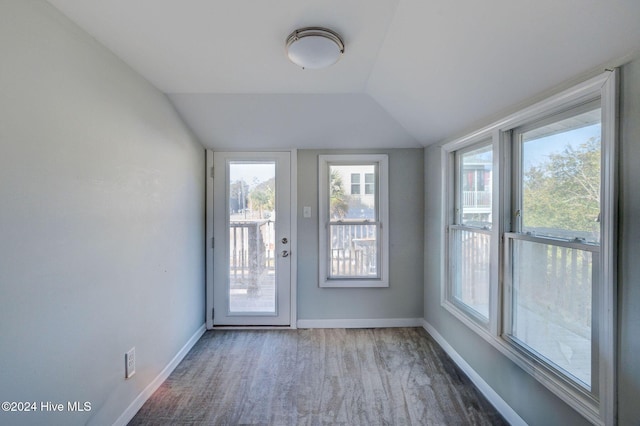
[[477, 184], [359, 187]]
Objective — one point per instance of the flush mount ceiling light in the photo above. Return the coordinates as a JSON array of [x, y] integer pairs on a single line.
[[314, 47]]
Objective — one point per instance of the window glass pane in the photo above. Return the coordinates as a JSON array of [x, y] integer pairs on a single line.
[[346, 203], [353, 251], [369, 183], [551, 306], [470, 269], [355, 183], [252, 271], [475, 187], [561, 178]]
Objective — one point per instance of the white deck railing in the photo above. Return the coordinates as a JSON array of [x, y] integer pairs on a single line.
[[476, 199]]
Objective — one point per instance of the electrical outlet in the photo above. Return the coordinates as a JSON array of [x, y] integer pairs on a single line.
[[306, 211], [130, 363]]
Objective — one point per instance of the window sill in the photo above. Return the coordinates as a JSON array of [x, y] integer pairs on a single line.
[[354, 283], [570, 393]]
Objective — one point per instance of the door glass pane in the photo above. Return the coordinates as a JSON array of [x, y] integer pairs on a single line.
[[561, 178], [470, 269], [551, 311], [475, 185], [252, 237]]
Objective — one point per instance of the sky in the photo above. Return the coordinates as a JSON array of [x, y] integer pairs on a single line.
[[538, 150], [247, 171]]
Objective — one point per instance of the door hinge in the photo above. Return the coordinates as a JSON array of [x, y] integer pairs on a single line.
[[213, 172], [213, 243], [213, 313]]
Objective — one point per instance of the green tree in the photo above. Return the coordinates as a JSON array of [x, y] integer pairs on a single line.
[[563, 192], [262, 197], [339, 205]]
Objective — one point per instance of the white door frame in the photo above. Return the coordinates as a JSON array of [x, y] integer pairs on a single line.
[[210, 237]]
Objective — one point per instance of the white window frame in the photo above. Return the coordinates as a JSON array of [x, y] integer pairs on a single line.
[[598, 406], [449, 300], [382, 203]]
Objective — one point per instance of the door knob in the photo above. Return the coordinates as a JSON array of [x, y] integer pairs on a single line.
[[285, 253]]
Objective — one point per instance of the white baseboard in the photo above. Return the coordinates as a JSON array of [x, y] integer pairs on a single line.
[[503, 408], [360, 323], [137, 403]]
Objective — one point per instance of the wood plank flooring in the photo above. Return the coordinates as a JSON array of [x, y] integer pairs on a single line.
[[395, 376]]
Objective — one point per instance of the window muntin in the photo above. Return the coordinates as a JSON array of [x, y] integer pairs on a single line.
[[353, 226]]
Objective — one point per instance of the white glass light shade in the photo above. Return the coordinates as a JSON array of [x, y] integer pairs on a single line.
[[313, 48]]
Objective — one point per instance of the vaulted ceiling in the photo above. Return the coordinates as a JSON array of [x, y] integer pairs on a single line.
[[414, 72]]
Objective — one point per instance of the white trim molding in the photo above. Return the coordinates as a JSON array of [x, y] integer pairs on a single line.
[[381, 164], [146, 393], [498, 403], [293, 163], [360, 323], [209, 240]]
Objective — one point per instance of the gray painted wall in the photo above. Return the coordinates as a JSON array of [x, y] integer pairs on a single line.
[[629, 248], [403, 297], [533, 402], [101, 221]]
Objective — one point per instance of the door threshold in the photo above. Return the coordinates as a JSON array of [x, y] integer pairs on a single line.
[[253, 327]]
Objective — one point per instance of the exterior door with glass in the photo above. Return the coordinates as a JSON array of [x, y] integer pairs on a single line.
[[252, 239]]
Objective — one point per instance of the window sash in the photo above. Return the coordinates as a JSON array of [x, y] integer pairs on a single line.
[[587, 381], [353, 260], [357, 255], [565, 319], [468, 199], [518, 212], [470, 274]]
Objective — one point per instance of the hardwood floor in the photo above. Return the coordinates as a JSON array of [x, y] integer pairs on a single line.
[[395, 376]]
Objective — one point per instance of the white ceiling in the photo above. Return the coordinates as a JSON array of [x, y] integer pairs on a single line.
[[315, 120], [414, 72]]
